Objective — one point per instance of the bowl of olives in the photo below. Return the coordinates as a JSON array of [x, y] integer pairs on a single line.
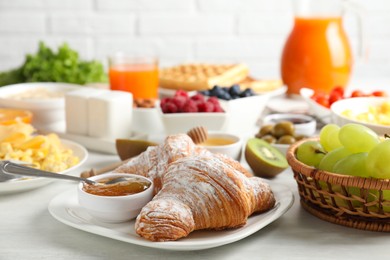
[[282, 130]]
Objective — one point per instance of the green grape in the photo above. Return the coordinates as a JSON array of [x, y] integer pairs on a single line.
[[354, 165], [329, 137], [358, 138], [310, 153], [378, 163], [330, 159]]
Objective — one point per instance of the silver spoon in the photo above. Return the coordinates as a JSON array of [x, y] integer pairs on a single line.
[[9, 169]]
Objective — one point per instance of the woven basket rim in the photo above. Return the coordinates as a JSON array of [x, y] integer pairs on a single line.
[[334, 178]]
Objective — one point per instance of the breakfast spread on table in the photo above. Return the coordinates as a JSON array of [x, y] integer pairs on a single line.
[[204, 169]]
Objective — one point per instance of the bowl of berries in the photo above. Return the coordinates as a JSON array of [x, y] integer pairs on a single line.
[[183, 112], [244, 105], [343, 176]]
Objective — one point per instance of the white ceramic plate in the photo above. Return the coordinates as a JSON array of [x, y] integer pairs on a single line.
[[66, 209], [17, 185]]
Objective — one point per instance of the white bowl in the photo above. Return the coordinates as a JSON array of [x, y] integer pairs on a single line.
[[244, 112], [146, 121], [175, 123], [282, 147], [114, 209], [303, 124], [232, 149], [358, 105], [46, 111], [322, 113]]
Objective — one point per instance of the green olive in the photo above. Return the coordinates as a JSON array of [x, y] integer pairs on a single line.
[[284, 128], [266, 130], [269, 139], [286, 139]]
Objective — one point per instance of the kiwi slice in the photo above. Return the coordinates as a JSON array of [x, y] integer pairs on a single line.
[[264, 160], [127, 148]]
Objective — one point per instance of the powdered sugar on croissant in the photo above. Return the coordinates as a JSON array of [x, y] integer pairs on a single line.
[[202, 192], [154, 161], [194, 189]]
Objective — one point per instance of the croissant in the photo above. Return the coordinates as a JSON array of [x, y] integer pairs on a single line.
[[194, 189]]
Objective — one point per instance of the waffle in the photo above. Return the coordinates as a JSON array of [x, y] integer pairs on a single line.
[[202, 76], [260, 85]]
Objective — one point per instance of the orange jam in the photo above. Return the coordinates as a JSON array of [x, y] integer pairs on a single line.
[[131, 186]]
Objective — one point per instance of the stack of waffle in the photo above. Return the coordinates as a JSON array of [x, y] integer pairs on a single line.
[[200, 76]]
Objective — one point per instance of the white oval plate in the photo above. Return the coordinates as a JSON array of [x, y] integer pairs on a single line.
[[17, 185], [66, 209]]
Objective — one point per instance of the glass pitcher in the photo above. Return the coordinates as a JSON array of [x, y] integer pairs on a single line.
[[317, 53]]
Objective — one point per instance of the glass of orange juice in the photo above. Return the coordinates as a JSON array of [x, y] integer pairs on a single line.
[[138, 75]]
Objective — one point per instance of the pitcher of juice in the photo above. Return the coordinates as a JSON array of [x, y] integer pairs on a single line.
[[317, 53]]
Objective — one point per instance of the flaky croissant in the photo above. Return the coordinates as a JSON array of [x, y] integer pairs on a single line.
[[195, 189]]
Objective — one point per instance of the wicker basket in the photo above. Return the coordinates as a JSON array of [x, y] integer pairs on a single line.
[[362, 203]]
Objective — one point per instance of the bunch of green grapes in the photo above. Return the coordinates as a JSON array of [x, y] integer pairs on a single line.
[[352, 149]]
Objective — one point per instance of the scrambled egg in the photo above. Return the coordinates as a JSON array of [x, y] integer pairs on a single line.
[[45, 152], [375, 114]]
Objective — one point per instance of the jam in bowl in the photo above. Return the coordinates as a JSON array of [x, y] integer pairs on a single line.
[[117, 202]]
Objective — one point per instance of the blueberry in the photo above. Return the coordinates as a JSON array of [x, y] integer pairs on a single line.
[[226, 89], [205, 92], [216, 91], [226, 96], [235, 90], [235, 96], [247, 93]]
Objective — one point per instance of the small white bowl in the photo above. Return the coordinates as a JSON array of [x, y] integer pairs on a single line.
[[146, 121], [114, 209], [282, 147], [245, 112], [358, 105], [321, 112], [46, 111], [233, 149], [175, 123], [304, 125]]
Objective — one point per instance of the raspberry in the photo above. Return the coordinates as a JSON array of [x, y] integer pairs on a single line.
[[181, 93], [213, 100], [218, 109], [179, 101], [165, 100], [206, 107], [169, 107], [198, 98], [190, 107]]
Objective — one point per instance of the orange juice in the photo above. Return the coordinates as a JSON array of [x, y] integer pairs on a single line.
[[138, 76], [316, 55]]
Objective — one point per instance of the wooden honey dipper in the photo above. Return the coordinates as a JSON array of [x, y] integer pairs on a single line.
[[198, 134]]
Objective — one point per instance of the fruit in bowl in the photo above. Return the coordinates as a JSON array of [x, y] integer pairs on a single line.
[[320, 103], [373, 112], [343, 176], [182, 112], [343, 150], [244, 105]]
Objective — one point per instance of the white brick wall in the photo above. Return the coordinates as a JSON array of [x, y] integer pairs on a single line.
[[250, 31]]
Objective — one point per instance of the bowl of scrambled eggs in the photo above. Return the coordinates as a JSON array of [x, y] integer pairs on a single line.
[[373, 112]]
